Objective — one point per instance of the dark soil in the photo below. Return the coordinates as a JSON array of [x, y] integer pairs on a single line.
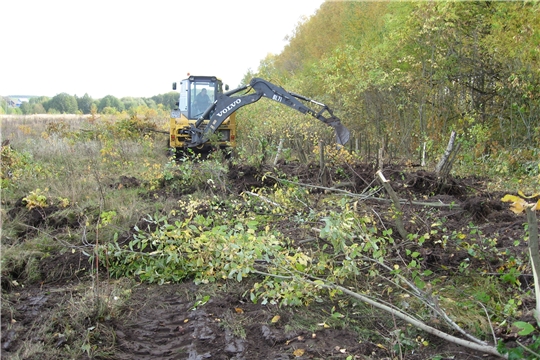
[[164, 321]]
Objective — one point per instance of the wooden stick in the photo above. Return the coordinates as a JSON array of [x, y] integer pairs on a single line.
[[279, 149], [534, 253], [397, 204], [322, 165]]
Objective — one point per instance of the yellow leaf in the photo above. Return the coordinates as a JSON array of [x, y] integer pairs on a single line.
[[381, 346], [518, 203], [275, 319], [510, 198], [520, 193], [299, 352], [239, 310], [518, 206]]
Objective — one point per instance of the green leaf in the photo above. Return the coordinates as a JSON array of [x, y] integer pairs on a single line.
[[337, 315], [525, 327], [252, 224], [419, 283]]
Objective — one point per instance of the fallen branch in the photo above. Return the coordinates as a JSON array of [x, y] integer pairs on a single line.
[[411, 320], [363, 196], [427, 299], [265, 199], [158, 131], [394, 311], [528, 350]]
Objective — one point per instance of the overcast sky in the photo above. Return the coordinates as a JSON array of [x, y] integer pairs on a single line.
[[137, 48]]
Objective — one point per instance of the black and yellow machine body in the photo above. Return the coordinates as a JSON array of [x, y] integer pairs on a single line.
[[196, 95]]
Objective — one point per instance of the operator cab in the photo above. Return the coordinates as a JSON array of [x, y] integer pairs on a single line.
[[197, 93]]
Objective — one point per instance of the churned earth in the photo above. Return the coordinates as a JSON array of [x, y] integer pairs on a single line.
[[126, 319]]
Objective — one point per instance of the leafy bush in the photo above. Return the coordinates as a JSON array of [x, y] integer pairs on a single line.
[[198, 249]]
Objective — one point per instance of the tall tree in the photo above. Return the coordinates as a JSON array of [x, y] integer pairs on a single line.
[[63, 103], [84, 103], [131, 102], [110, 101]]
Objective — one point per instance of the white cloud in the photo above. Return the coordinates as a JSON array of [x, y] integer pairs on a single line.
[[138, 48]]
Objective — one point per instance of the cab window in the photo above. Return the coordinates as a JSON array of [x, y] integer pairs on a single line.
[[203, 94]]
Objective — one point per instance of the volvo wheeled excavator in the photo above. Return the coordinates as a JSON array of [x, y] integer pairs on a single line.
[[207, 107]]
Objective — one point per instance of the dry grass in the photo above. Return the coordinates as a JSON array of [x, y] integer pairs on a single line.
[[75, 163]]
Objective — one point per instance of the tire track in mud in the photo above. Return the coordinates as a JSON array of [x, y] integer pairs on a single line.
[[163, 324], [170, 330]]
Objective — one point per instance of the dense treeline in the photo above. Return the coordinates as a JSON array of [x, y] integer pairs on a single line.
[[404, 74], [72, 104]]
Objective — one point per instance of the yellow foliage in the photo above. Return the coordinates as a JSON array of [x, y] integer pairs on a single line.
[[25, 129], [63, 202], [14, 166], [337, 155], [36, 199], [518, 204], [299, 352], [520, 193]]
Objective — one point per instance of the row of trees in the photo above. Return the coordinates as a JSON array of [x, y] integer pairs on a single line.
[[410, 72], [64, 103]]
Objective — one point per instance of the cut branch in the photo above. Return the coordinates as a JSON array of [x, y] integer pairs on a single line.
[[389, 308], [397, 205], [364, 196], [415, 322], [263, 198]]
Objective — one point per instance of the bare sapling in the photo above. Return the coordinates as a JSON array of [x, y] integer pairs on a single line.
[[445, 164]]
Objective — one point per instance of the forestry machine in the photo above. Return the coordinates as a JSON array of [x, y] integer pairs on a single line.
[[205, 109]]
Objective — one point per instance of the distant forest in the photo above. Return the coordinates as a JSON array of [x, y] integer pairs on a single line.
[[64, 103]]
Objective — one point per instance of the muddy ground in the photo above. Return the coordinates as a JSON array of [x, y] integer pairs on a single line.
[[176, 321]]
